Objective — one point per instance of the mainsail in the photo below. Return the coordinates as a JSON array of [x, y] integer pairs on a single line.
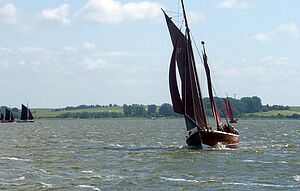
[[189, 103], [8, 115], [26, 113]]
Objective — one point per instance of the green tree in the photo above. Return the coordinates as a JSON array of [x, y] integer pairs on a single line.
[[166, 110], [253, 104], [127, 110], [152, 110]]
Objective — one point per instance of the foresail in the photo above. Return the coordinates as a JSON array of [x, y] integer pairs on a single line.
[[191, 99], [179, 40], [175, 96]]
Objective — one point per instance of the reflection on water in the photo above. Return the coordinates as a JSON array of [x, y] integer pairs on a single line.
[[128, 154]]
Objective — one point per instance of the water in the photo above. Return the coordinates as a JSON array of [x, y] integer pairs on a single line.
[[130, 154]]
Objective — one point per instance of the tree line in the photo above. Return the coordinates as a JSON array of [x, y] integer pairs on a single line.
[[240, 107]]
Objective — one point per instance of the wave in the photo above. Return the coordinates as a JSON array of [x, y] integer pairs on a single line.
[[45, 185], [14, 158], [88, 186], [179, 180], [259, 184]]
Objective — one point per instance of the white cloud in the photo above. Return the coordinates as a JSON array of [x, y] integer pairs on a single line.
[[5, 50], [289, 29], [8, 14], [59, 14], [195, 17], [113, 11], [262, 37], [89, 45], [94, 64], [235, 4]]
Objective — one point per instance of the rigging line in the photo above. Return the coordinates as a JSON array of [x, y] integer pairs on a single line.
[[201, 59], [216, 82], [173, 12], [197, 48], [220, 107]]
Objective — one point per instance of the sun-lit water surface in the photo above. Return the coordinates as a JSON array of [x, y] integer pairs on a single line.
[[130, 154]]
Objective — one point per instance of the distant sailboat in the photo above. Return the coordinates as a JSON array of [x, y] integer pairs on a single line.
[[229, 111], [26, 115], [8, 116], [190, 103]]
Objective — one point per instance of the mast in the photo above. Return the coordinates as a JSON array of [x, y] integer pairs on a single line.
[[209, 84], [199, 108], [27, 113], [186, 22]]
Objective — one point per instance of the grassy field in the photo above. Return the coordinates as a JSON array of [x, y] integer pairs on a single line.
[[275, 113], [295, 108], [50, 113]]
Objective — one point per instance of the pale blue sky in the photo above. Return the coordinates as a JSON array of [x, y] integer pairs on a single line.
[[65, 52]]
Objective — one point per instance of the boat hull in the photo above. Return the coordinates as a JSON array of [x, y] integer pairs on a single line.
[[213, 138], [25, 121], [10, 121]]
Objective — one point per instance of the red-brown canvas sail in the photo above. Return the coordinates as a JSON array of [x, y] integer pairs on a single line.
[[191, 99], [228, 109]]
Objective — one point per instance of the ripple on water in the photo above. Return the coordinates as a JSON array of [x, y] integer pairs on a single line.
[[89, 187], [130, 154]]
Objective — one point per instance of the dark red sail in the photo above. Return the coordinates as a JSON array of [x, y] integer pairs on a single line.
[[191, 100], [175, 96], [228, 109]]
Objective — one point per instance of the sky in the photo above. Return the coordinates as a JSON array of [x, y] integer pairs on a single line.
[[63, 52]]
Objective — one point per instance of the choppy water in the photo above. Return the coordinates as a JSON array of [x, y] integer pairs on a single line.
[[127, 154]]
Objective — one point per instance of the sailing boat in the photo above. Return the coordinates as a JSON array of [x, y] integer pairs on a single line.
[[190, 103], [229, 112], [26, 115], [1, 117], [8, 116]]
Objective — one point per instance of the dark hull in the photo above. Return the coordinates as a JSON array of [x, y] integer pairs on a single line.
[[213, 138], [11, 121], [25, 121]]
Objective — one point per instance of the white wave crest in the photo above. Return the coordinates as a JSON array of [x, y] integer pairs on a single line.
[[179, 179], [88, 186]]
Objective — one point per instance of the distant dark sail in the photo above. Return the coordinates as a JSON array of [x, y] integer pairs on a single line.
[[190, 103], [1, 117], [26, 113], [30, 116], [210, 92], [228, 109], [8, 115]]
